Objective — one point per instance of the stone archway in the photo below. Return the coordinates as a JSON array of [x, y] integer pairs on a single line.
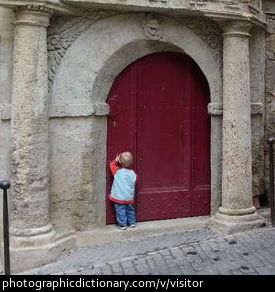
[[158, 111], [91, 65]]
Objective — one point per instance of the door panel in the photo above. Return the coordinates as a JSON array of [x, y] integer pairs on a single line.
[[121, 124], [159, 113], [163, 136]]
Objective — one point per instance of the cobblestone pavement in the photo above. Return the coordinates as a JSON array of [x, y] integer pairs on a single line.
[[197, 252]]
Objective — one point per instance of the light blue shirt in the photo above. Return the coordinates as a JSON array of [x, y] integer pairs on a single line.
[[123, 188]]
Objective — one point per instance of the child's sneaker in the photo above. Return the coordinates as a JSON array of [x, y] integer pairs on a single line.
[[122, 227], [132, 226]]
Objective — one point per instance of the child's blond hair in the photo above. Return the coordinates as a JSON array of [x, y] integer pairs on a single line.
[[126, 159]]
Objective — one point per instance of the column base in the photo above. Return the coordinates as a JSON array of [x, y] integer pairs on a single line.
[[29, 252], [23, 237], [236, 220]]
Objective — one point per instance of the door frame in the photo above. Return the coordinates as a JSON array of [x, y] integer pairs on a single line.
[[128, 81], [98, 75]]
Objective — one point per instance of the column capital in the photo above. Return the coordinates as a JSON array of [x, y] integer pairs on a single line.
[[34, 15], [236, 28], [35, 8], [42, 6]]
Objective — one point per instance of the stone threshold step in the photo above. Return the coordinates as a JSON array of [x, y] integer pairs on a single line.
[[110, 233]]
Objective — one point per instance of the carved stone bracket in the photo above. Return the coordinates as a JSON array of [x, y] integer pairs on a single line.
[[257, 108], [101, 109], [5, 111], [215, 109]]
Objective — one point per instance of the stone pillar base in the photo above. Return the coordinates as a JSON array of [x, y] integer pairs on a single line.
[[29, 252], [27, 236], [230, 223]]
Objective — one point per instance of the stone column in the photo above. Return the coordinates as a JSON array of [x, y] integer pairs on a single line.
[[30, 126], [236, 212], [6, 48]]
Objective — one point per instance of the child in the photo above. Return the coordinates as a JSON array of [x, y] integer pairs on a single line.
[[123, 190]]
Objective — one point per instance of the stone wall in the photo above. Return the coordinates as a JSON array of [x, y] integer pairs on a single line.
[[270, 85], [73, 139], [257, 88], [74, 131], [85, 55]]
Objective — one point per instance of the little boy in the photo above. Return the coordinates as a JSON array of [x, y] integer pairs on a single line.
[[123, 190]]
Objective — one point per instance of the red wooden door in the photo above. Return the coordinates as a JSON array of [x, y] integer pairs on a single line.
[[158, 111]]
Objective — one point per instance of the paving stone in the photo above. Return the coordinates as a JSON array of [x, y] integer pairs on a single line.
[[198, 252], [176, 252], [144, 269]]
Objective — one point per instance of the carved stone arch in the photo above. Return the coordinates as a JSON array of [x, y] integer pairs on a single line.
[[94, 60], [108, 46]]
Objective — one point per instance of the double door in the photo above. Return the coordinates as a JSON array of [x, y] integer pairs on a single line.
[[158, 112]]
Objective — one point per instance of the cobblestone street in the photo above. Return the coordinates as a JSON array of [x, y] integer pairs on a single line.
[[196, 252], [155, 112]]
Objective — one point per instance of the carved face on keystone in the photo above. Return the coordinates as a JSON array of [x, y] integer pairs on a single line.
[[153, 25]]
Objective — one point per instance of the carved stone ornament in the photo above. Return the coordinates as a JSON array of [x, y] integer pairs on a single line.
[[232, 4], [254, 10], [35, 8], [153, 28], [198, 2], [236, 28], [159, 1], [63, 32], [210, 32]]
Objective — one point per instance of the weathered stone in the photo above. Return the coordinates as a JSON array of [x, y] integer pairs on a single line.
[[257, 89], [6, 41], [236, 119], [30, 221], [29, 130], [91, 81], [58, 111], [270, 85], [236, 211]]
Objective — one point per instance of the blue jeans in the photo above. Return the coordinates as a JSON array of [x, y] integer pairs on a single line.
[[125, 214]]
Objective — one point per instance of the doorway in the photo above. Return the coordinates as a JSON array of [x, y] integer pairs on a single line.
[[158, 111]]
